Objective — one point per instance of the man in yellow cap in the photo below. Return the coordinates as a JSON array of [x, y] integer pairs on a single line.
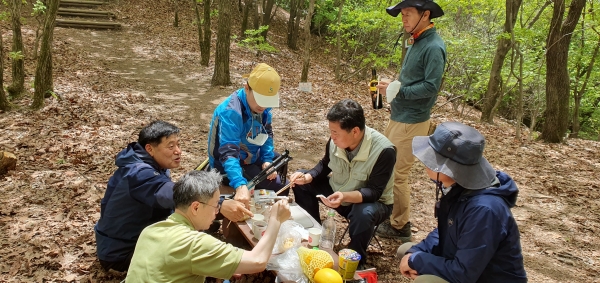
[[240, 142]]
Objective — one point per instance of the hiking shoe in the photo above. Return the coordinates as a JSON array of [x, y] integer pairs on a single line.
[[385, 230]]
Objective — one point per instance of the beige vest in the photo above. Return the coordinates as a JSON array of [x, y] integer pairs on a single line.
[[351, 176]]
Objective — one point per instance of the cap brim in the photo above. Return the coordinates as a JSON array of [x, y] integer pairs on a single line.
[[473, 177], [266, 101]]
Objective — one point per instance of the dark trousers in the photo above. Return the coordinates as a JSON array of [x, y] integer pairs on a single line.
[[120, 266], [363, 217], [251, 170]]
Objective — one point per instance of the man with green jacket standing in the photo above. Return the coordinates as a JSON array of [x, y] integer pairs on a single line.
[[420, 80]]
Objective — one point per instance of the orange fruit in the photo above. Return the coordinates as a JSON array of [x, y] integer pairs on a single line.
[[328, 275]]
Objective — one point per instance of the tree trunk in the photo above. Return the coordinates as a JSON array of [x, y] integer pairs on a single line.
[[4, 106], [205, 47], [520, 95], [494, 89], [18, 66], [578, 93], [292, 34], [43, 71], [245, 16], [556, 116], [199, 25], [266, 19], [338, 65], [256, 17], [176, 8], [221, 73], [306, 60]]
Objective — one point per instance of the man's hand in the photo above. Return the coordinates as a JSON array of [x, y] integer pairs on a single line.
[[406, 270], [271, 176], [242, 195], [281, 211], [334, 200], [382, 86], [235, 211], [299, 178]]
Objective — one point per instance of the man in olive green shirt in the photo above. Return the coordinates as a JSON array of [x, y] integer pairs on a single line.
[[174, 251]]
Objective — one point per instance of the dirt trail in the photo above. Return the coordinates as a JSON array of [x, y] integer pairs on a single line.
[[114, 82]]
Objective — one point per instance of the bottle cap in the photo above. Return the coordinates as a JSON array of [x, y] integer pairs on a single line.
[[315, 248]]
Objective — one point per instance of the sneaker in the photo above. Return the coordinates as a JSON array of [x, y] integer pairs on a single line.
[[385, 230]]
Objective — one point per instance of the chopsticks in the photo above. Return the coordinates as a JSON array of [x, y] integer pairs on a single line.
[[288, 186]]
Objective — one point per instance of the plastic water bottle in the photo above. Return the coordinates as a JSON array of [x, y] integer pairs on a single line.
[[328, 235]]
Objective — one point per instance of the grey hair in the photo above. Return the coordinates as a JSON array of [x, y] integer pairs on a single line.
[[196, 186]]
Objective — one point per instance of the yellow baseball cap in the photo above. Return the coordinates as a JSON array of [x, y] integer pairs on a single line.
[[265, 83]]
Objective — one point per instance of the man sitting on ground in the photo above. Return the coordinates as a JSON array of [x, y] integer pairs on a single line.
[[477, 239], [360, 188], [174, 251], [140, 193]]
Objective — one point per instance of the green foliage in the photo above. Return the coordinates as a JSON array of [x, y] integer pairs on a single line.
[[16, 55], [38, 8], [4, 16], [255, 41]]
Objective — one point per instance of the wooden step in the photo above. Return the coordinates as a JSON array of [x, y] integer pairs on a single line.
[[87, 24], [81, 3], [65, 12]]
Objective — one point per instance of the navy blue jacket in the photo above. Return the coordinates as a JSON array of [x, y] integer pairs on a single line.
[[138, 194], [477, 239]]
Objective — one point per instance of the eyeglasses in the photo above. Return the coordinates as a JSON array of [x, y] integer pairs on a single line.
[[217, 208]]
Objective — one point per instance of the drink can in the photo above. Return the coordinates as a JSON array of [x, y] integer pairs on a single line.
[[348, 262]]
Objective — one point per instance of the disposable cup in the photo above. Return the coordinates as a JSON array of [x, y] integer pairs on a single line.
[[314, 236], [259, 228], [348, 262]]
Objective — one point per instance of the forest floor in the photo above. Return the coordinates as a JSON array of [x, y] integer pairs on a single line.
[[115, 82]]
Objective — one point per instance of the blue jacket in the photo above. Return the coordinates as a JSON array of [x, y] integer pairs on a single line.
[[228, 148], [138, 194], [477, 239]]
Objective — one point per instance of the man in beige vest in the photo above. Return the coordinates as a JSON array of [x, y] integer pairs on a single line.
[[360, 187]]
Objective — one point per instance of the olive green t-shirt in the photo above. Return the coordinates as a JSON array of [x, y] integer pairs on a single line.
[[173, 251]]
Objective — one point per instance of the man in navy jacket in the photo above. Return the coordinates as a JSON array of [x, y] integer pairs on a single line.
[[477, 238], [139, 193]]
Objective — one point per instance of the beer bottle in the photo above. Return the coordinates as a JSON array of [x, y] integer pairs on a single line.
[[376, 97]]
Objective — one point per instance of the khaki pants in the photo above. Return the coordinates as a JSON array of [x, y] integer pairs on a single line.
[[401, 135], [427, 278]]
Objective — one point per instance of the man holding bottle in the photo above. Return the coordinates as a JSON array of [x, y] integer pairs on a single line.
[[420, 80], [360, 186]]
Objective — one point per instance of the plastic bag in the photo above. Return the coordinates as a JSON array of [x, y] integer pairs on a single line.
[[289, 236], [287, 266]]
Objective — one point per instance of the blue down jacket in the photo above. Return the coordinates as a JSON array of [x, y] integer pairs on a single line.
[[477, 239], [228, 148], [138, 194]]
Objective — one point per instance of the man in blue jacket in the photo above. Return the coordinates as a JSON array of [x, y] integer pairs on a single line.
[[139, 193], [477, 238], [240, 142]]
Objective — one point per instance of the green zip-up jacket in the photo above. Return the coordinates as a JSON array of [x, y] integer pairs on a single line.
[[421, 77]]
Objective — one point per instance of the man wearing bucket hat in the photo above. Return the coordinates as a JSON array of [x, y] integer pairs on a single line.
[[240, 141], [411, 98], [477, 238]]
